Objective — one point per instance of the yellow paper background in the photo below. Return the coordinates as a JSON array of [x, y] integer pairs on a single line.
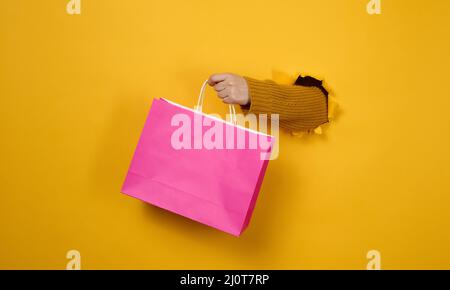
[[75, 91]]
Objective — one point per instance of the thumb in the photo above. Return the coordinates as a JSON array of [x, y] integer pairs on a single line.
[[217, 78]]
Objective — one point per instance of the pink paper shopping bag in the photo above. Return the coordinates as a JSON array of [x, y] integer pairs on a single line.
[[198, 166]]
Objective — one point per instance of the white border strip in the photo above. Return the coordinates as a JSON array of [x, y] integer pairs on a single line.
[[215, 118]]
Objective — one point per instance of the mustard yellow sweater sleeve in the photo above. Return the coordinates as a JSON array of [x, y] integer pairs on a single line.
[[300, 108]]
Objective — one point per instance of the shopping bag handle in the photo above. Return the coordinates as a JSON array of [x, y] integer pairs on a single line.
[[201, 97]]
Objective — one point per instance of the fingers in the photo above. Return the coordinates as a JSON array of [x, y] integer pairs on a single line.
[[226, 96], [224, 93], [220, 86], [228, 87], [217, 78], [228, 100]]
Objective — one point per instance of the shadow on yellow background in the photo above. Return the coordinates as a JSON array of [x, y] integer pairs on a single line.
[[75, 91]]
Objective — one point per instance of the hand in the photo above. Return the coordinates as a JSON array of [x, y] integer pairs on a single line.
[[231, 88]]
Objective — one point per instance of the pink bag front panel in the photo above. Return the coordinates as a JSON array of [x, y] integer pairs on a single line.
[[215, 187]]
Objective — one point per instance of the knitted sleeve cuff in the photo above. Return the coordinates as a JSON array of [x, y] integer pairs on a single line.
[[299, 107], [260, 101]]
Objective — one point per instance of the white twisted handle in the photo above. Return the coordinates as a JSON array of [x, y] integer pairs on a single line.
[[201, 97]]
